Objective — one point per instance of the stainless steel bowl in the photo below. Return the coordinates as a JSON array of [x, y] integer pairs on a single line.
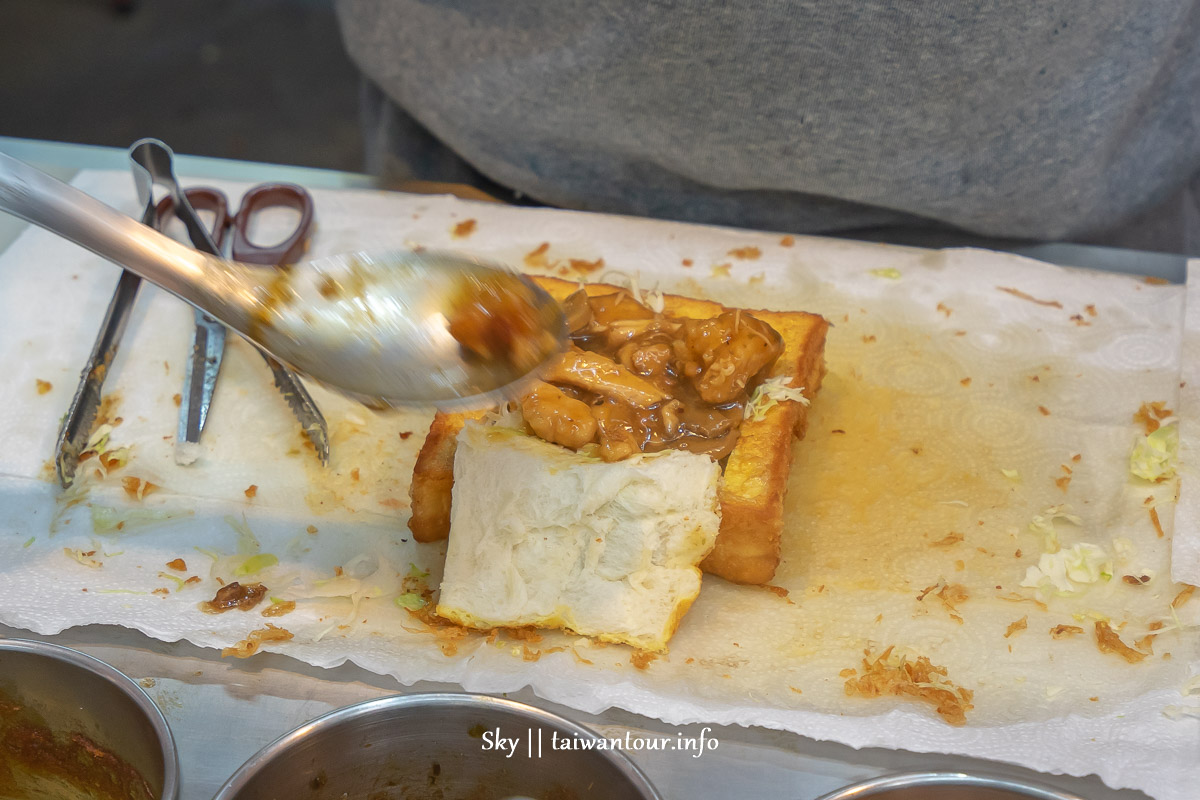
[[433, 746], [90, 727], [946, 786]]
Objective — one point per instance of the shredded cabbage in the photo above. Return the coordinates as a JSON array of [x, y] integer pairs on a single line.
[[1123, 548], [891, 273], [98, 441], [1156, 455], [1011, 474], [655, 300], [247, 543], [416, 572], [505, 415], [652, 299], [255, 563], [1179, 712], [769, 394], [78, 554], [1069, 572], [107, 520], [116, 458], [1043, 525], [364, 577], [411, 601], [175, 578]]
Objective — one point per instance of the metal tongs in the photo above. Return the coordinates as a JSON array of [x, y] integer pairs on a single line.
[[208, 344], [151, 162], [403, 328]]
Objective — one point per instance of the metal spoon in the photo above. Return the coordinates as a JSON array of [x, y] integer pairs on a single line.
[[374, 327]]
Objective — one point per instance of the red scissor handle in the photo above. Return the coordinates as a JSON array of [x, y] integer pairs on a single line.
[[201, 198], [267, 195]]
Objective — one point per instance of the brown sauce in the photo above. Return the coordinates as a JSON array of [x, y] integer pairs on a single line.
[[235, 595], [37, 763], [662, 383], [498, 320]]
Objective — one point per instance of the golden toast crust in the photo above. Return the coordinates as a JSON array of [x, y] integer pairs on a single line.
[[756, 472]]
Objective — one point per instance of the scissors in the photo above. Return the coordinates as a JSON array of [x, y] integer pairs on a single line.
[[208, 342]]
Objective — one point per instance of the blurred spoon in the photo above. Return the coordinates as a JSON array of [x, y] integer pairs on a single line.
[[375, 327]]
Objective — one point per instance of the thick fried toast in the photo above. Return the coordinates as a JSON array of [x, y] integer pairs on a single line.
[[756, 472]]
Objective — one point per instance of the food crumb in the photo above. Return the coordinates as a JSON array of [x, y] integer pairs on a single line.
[[1017, 626], [721, 270], [1107, 641], [1029, 297], [43, 386], [234, 595], [584, 267], [787, 241], [687, 262], [1063, 631], [942, 307], [312, 529], [642, 658], [537, 257], [178, 564], [746, 253], [1151, 414], [894, 675], [965, 381], [1156, 522], [177, 399], [137, 488], [249, 646], [405, 434], [464, 229], [1045, 411], [251, 490], [279, 608], [354, 474]]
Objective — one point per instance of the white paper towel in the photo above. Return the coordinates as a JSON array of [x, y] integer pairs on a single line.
[[967, 392]]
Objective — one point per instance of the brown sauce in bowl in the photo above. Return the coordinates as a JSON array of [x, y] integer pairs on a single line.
[[38, 763]]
